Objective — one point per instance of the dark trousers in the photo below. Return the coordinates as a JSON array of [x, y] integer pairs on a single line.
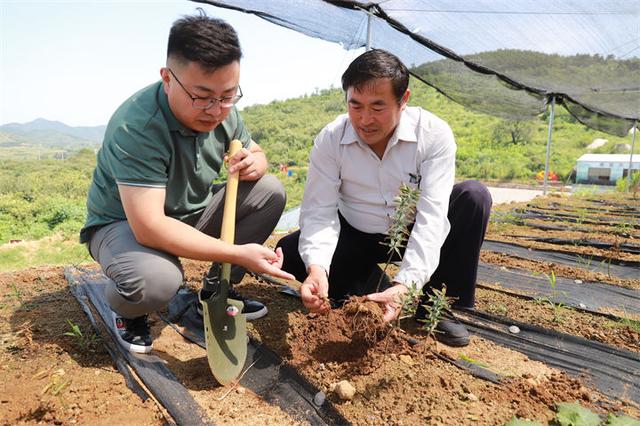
[[354, 266]]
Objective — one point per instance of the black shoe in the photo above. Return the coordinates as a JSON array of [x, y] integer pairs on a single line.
[[449, 330], [252, 308], [133, 334]]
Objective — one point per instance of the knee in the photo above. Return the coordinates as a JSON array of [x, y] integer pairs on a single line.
[[474, 194], [149, 282], [161, 284]]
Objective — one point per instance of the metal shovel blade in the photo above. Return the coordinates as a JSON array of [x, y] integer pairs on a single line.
[[225, 336]]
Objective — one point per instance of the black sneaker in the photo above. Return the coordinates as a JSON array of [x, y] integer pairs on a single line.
[[449, 330], [252, 308], [133, 334]]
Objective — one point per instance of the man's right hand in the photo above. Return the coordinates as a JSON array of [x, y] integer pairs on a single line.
[[315, 290], [262, 260]]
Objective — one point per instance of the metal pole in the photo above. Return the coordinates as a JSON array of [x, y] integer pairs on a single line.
[[546, 162], [633, 145], [368, 30]]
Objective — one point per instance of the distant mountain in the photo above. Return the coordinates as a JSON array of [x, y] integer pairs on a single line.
[[53, 134]]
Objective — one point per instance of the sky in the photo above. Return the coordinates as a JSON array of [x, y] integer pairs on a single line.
[[77, 61]]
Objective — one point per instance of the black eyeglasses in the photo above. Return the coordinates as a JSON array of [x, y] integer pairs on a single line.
[[206, 103]]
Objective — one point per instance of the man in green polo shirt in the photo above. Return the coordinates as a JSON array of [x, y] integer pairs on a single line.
[[152, 198]]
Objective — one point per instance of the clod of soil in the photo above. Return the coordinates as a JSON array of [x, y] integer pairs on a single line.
[[344, 390], [366, 320]]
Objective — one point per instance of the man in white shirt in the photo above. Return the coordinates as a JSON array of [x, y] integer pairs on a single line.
[[356, 167]]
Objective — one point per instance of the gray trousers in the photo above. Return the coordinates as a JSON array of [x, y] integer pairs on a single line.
[[143, 280]]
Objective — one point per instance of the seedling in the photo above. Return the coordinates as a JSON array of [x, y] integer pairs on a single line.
[[409, 302], [82, 341], [436, 305], [405, 215], [557, 306]]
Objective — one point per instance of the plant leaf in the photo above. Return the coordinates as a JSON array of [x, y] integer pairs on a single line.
[[621, 421], [574, 414]]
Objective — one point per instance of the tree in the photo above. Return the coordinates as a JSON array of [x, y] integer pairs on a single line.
[[512, 132]]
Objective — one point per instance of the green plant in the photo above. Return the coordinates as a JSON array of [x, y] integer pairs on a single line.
[[623, 184], [81, 340], [409, 302], [436, 305], [405, 215], [573, 414], [498, 308], [556, 306]]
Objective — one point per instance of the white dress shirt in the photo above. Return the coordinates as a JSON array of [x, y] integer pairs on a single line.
[[346, 175]]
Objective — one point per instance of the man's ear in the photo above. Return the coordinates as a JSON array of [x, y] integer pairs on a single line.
[[164, 74], [405, 99]]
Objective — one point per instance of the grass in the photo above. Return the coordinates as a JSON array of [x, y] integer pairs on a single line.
[[56, 250]]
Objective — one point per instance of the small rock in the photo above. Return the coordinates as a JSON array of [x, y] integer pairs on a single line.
[[319, 398], [471, 397], [582, 306], [503, 268], [577, 281], [240, 390], [514, 329], [406, 359], [345, 390]]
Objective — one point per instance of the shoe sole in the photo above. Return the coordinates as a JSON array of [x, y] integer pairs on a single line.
[[455, 342], [138, 349], [257, 314]]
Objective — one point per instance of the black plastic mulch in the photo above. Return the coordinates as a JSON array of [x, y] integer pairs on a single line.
[[619, 269], [547, 227], [265, 373], [561, 217], [615, 372], [629, 211], [149, 368], [583, 242], [590, 296]]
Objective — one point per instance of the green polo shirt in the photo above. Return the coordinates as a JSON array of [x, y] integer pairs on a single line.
[[145, 145]]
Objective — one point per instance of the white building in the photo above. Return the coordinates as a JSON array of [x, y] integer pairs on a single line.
[[605, 168]]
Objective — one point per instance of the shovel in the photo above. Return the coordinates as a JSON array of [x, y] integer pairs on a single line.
[[225, 327]]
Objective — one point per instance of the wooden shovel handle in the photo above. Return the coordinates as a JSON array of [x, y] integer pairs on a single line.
[[227, 233]]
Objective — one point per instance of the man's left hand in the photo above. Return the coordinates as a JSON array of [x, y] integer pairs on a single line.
[[391, 299], [244, 162]]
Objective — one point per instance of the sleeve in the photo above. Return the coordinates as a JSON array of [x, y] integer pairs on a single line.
[[431, 227], [138, 158], [319, 224]]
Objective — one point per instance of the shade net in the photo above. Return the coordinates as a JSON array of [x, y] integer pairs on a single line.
[[504, 58]]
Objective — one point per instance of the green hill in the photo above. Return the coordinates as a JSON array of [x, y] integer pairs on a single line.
[[39, 198]]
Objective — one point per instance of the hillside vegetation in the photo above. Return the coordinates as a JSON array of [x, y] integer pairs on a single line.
[[47, 197]]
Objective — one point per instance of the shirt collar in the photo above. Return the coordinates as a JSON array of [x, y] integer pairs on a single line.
[[405, 131]]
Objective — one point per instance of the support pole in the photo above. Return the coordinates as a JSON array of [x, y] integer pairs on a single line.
[[546, 162], [369, 16], [633, 145]]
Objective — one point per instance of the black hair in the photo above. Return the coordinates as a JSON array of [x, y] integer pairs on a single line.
[[373, 64], [210, 42]]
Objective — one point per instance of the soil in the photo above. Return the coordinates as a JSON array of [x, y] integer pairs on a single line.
[[53, 378]]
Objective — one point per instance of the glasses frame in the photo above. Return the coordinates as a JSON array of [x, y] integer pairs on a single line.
[[223, 102]]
